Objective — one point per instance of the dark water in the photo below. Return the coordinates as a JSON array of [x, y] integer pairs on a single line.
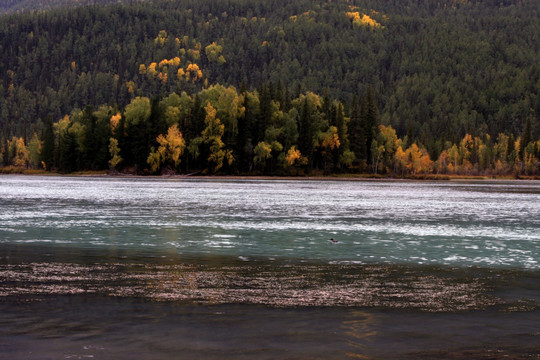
[[111, 328], [108, 269]]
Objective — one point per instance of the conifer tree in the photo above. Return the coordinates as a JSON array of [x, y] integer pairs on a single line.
[[525, 138], [357, 139], [304, 140], [5, 152], [370, 120], [47, 151]]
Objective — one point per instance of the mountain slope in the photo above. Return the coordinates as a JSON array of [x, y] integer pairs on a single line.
[[439, 69]]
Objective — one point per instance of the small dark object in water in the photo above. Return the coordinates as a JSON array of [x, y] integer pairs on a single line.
[[334, 241]]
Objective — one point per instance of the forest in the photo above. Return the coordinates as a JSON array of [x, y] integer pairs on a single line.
[[246, 87]]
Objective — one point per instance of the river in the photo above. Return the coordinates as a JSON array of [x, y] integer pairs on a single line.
[[215, 268]]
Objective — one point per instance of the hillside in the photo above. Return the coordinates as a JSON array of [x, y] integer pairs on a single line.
[[439, 70], [20, 6]]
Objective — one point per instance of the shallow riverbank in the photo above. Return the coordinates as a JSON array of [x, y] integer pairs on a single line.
[[346, 177]]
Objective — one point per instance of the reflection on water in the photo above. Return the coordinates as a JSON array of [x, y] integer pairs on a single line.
[[212, 280], [360, 330]]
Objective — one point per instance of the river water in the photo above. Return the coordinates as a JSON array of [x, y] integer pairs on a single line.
[[177, 268]]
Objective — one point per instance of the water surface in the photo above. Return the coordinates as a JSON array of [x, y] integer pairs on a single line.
[[483, 224], [168, 268]]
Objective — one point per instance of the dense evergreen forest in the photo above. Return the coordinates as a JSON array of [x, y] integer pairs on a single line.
[[18, 6], [245, 86]]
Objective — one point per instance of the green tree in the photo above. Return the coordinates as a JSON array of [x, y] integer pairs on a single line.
[[387, 138], [262, 152], [48, 149], [370, 120], [357, 137], [137, 130], [34, 151], [211, 139], [525, 138], [114, 152]]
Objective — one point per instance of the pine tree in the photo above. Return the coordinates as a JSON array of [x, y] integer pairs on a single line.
[[5, 152], [120, 135], [525, 138], [304, 139], [357, 139], [90, 138], [47, 152], [244, 143], [156, 122], [67, 151], [265, 113], [279, 97], [370, 120]]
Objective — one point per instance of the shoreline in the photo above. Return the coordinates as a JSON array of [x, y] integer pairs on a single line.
[[334, 177]]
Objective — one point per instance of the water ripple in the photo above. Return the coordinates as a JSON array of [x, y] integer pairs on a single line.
[[392, 287]]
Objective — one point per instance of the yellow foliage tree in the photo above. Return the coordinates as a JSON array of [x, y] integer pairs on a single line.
[[416, 160], [161, 38], [175, 61], [362, 21], [131, 87], [293, 156], [180, 74], [211, 136], [114, 151], [388, 139], [400, 160], [151, 71], [163, 76], [413, 158], [171, 147], [19, 151], [115, 120], [329, 139], [163, 63], [193, 73], [368, 21], [426, 164], [466, 147], [443, 162], [325, 142]]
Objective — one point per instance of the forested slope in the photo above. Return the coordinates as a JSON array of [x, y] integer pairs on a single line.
[[20, 6], [438, 70]]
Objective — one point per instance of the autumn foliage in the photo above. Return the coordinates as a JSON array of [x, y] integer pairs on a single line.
[[258, 132], [363, 20]]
